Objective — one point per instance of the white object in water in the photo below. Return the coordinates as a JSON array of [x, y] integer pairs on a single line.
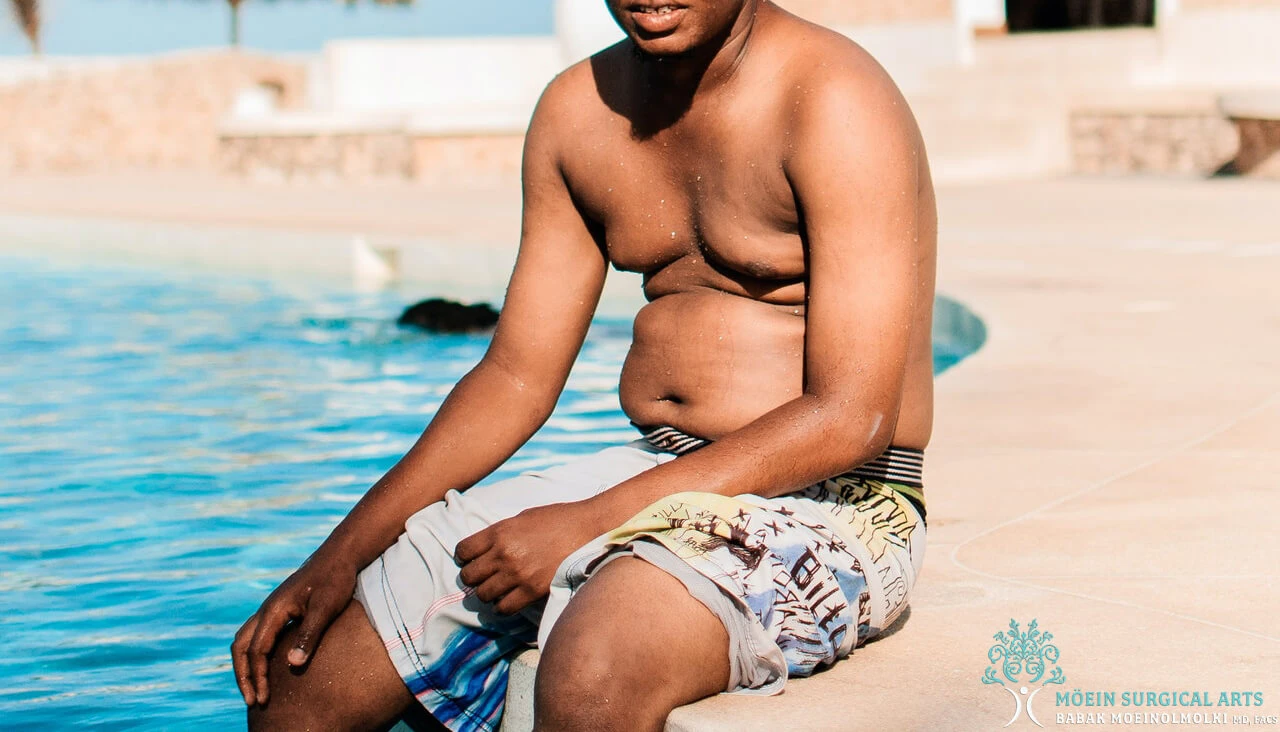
[[373, 267]]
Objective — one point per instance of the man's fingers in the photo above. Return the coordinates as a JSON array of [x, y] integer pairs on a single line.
[[472, 546], [495, 587], [240, 658], [317, 619], [475, 572], [264, 639], [514, 601]]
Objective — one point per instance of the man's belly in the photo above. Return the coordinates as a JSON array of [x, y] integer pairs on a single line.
[[709, 363]]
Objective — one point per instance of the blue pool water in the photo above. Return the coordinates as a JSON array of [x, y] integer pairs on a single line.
[[172, 444], [130, 27]]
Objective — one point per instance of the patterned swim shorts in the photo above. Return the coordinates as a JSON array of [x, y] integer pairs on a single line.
[[798, 581]]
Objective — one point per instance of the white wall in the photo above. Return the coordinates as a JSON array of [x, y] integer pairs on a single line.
[[980, 13], [911, 51], [584, 27], [503, 74], [1222, 48]]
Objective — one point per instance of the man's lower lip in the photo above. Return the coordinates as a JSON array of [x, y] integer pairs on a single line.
[[658, 22]]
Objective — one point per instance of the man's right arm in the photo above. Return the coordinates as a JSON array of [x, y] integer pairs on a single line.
[[498, 406], [491, 413]]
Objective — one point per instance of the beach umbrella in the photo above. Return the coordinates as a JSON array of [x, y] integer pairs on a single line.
[[28, 14], [235, 13]]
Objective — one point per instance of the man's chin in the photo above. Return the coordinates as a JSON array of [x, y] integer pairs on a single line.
[[669, 45], [661, 48]]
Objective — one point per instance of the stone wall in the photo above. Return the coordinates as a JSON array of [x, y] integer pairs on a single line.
[[467, 158], [858, 12], [458, 159], [156, 113], [317, 157], [1194, 140]]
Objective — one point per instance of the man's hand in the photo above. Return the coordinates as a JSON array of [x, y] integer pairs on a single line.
[[313, 597], [511, 563]]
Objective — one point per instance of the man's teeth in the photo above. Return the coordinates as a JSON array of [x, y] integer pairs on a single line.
[[658, 11]]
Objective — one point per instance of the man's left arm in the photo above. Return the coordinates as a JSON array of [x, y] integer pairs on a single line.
[[854, 171]]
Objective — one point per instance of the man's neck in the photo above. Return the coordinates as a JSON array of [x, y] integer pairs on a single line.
[[707, 67]]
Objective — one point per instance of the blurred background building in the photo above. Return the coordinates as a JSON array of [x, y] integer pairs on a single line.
[[442, 92]]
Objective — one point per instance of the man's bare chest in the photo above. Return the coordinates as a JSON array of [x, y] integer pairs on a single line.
[[671, 197]]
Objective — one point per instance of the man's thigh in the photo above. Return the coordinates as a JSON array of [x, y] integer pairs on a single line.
[[460, 515], [447, 645], [417, 579], [631, 646]]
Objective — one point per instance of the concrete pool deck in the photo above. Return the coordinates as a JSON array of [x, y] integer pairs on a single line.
[[1106, 464]]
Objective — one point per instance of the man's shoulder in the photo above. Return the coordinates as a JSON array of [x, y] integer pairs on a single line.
[[571, 103], [565, 91], [823, 66], [830, 83], [577, 89]]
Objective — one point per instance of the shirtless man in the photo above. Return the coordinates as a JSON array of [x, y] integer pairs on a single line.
[[767, 178]]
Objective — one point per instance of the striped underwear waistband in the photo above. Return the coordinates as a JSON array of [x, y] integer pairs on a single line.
[[903, 465]]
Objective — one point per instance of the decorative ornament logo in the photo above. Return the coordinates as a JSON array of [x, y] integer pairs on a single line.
[[1022, 659]]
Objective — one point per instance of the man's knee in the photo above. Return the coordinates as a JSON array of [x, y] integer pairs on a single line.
[[582, 683], [608, 662], [348, 684], [294, 701]]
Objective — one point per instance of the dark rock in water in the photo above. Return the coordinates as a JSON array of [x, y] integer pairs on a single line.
[[446, 316]]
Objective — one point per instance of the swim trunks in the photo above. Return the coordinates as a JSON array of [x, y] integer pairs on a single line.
[[799, 581]]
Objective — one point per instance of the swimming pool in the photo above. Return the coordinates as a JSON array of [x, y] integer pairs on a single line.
[[173, 444]]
